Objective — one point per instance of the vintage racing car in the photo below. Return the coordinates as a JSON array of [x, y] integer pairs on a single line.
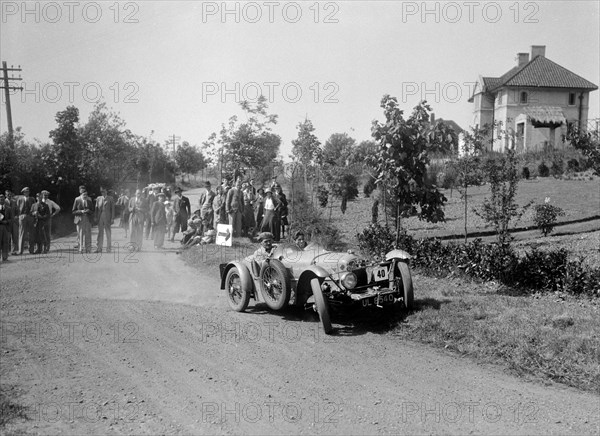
[[316, 278]]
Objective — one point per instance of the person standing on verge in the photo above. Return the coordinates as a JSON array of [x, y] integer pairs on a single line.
[[138, 208], [40, 212], [206, 207], [54, 210], [6, 218], [159, 219], [234, 206], [24, 204], [105, 215], [83, 209], [13, 227], [182, 210]]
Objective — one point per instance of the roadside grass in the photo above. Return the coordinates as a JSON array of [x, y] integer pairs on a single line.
[[545, 337]]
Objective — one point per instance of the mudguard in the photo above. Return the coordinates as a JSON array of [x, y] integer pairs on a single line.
[[303, 286], [398, 254], [245, 276]]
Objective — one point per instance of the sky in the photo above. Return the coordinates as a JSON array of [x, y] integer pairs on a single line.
[[181, 68]]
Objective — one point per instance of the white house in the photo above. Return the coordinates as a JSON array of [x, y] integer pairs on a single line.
[[530, 102]]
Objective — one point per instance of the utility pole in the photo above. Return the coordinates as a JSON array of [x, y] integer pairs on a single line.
[[173, 140], [7, 88]]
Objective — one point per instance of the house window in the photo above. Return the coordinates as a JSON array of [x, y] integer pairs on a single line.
[[523, 97], [572, 99]]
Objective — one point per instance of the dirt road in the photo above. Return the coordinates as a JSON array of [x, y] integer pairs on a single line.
[[143, 344]]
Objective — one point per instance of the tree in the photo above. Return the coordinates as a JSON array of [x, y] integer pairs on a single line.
[[339, 168], [250, 144], [403, 149], [109, 147], [467, 166], [500, 208], [189, 159], [588, 143], [306, 150]]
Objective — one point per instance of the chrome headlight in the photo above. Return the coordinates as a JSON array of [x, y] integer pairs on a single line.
[[348, 280]]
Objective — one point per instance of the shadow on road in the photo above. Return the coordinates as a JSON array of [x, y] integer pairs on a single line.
[[355, 321]]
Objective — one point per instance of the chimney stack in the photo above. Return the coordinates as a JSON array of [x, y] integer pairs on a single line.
[[523, 58], [538, 50]]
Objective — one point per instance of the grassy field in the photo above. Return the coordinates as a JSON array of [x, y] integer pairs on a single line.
[[579, 199]]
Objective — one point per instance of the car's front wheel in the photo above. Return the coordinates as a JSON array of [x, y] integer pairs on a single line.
[[407, 284], [322, 306], [276, 287], [237, 297]]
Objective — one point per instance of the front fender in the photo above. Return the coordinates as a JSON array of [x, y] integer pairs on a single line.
[[303, 286], [398, 254], [245, 276]]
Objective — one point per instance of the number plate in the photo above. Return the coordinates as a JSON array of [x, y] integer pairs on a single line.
[[380, 273]]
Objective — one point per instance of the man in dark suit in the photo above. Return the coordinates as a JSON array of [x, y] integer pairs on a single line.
[[234, 205], [206, 207], [5, 226], [182, 210], [83, 208], [13, 228], [105, 215], [24, 204], [40, 212], [159, 221]]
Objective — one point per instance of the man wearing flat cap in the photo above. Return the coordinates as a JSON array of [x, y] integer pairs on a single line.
[[266, 247], [206, 207], [105, 216], [54, 210], [24, 204], [182, 211]]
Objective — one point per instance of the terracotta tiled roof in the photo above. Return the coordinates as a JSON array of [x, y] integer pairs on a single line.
[[542, 72], [490, 82]]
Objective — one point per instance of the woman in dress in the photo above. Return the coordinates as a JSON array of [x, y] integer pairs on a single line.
[[268, 220]]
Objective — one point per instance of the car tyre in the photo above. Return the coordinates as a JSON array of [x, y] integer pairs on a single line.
[[276, 287], [322, 306], [407, 284], [237, 297]]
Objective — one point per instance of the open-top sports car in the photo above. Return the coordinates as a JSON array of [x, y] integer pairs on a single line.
[[317, 279]]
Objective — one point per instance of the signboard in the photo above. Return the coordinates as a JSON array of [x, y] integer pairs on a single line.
[[224, 234]]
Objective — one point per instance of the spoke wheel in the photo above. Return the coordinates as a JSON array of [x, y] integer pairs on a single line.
[[237, 297], [276, 288]]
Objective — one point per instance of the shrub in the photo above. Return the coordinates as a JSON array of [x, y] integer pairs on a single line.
[[546, 215], [525, 173], [310, 220], [376, 240], [573, 165], [557, 168], [370, 186], [543, 170]]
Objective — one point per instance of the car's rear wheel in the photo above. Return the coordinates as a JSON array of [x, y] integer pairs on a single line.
[[276, 287], [237, 297], [322, 305], [407, 284]]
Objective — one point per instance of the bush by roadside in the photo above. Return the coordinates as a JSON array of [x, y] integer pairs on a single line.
[[535, 271]]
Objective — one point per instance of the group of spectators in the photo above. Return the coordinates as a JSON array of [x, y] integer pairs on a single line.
[[240, 204], [25, 221], [150, 213]]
